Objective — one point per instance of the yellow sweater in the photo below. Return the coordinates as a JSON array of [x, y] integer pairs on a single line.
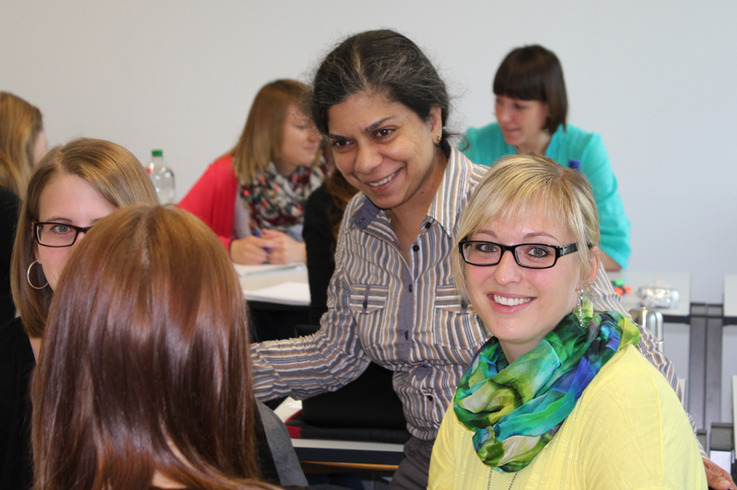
[[628, 430]]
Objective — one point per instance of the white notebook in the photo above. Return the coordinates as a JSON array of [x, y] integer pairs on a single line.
[[253, 270], [286, 293]]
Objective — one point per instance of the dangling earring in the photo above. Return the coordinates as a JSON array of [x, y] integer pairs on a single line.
[[580, 307], [28, 276]]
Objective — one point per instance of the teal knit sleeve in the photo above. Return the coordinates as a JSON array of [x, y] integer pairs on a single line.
[[485, 145], [470, 146], [613, 222]]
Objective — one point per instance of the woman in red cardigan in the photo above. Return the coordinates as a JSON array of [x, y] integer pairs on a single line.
[[253, 196]]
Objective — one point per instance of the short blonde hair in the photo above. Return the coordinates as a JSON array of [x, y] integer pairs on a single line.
[[521, 184], [111, 170]]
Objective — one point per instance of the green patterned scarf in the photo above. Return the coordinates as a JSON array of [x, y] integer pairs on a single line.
[[515, 409]]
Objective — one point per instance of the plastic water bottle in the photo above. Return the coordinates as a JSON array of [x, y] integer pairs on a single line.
[[162, 177]]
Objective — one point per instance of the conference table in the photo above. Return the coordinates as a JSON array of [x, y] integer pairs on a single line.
[[278, 298], [680, 312], [284, 284]]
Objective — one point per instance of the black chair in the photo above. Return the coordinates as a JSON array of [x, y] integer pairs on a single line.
[[271, 321], [357, 417], [367, 409]]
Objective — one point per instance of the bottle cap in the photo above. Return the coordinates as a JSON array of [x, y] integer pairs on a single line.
[[157, 153]]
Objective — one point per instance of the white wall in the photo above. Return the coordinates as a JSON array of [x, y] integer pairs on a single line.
[[656, 78]]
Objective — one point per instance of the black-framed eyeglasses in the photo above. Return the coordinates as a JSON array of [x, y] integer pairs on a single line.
[[528, 255], [54, 234]]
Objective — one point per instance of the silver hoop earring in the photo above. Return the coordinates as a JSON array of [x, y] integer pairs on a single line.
[[580, 307], [28, 276]]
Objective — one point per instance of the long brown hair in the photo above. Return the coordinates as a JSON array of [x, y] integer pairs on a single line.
[[145, 363], [109, 168], [20, 125], [261, 139]]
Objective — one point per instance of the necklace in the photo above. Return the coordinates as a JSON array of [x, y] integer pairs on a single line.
[[491, 472]]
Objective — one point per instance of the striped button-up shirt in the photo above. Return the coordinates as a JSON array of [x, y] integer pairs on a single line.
[[407, 316]]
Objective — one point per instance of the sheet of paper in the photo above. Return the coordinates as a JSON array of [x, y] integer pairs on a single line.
[[252, 270], [288, 408], [287, 293]]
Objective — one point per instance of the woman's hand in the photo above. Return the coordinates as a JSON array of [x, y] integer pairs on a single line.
[[283, 249], [250, 250], [717, 477], [272, 247]]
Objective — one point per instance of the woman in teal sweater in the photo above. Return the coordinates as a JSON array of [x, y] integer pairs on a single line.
[[531, 107]]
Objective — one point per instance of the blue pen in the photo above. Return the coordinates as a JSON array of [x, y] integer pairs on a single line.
[[255, 232]]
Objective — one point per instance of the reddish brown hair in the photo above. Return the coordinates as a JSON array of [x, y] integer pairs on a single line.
[[145, 362]]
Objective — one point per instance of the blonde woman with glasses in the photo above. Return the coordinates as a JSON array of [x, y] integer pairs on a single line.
[[558, 396]]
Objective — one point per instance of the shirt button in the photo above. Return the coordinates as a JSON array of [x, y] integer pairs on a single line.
[[410, 288], [428, 225], [416, 248], [429, 397]]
